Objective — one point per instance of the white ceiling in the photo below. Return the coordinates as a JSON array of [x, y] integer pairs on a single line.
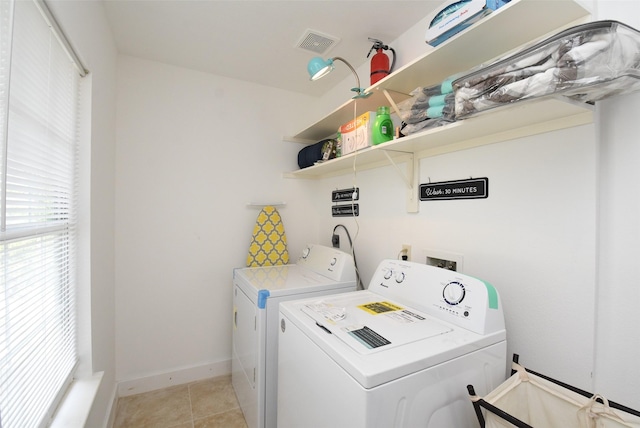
[[256, 40]]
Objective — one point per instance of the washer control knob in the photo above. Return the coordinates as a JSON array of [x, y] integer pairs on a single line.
[[305, 252], [388, 274], [399, 277], [333, 261], [453, 293]]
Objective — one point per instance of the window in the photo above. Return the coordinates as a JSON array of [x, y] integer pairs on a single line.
[[39, 85]]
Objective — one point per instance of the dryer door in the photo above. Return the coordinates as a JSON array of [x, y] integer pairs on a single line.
[[245, 336]]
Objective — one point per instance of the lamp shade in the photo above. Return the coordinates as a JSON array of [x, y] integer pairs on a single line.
[[317, 67]]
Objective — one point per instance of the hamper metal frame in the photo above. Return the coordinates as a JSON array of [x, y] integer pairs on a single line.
[[481, 403]]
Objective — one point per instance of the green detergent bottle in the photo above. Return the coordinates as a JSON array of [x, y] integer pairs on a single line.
[[382, 127]]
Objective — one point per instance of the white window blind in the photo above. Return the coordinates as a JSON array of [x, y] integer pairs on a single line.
[[38, 181]]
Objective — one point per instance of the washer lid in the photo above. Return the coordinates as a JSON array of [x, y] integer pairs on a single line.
[[273, 281], [415, 344], [369, 323], [281, 277]]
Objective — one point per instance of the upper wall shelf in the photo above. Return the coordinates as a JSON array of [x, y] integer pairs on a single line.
[[504, 30], [508, 28], [501, 124]]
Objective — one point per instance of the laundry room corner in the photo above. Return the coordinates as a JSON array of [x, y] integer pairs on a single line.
[[531, 234], [319, 214], [619, 207], [535, 231], [190, 160]]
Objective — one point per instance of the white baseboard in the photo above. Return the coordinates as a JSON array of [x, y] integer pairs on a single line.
[[110, 417], [177, 377]]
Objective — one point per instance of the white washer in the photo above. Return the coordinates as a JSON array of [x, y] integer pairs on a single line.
[[257, 292], [399, 354]]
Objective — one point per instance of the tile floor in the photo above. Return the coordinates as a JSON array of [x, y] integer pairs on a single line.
[[209, 403]]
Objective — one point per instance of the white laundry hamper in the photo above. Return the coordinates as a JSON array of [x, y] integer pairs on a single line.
[[530, 400]]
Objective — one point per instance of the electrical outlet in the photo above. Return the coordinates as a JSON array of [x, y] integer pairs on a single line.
[[406, 250], [335, 241]]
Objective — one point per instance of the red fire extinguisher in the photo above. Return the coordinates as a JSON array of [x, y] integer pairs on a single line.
[[380, 67]]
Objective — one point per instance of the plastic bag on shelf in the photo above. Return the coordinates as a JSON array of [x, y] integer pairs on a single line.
[[427, 107], [587, 63]]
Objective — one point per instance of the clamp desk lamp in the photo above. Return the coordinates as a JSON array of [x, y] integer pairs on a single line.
[[318, 68]]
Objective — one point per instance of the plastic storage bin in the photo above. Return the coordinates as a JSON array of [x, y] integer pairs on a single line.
[[587, 63]]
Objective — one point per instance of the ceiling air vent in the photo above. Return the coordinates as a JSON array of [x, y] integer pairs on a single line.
[[316, 42]]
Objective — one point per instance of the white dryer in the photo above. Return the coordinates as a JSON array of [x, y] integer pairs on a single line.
[[257, 292], [399, 354]]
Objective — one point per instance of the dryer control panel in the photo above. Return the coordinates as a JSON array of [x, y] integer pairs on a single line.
[[460, 299], [330, 262]]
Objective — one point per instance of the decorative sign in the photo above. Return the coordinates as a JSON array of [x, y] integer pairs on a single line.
[[473, 188], [350, 210], [352, 194]]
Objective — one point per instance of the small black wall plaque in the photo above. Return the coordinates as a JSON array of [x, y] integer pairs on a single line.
[[342, 195], [473, 188], [350, 210]]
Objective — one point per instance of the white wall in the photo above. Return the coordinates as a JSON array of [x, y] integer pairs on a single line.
[[617, 373], [85, 24], [192, 150]]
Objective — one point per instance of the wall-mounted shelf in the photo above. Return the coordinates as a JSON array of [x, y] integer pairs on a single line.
[[328, 125], [501, 124], [519, 22]]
